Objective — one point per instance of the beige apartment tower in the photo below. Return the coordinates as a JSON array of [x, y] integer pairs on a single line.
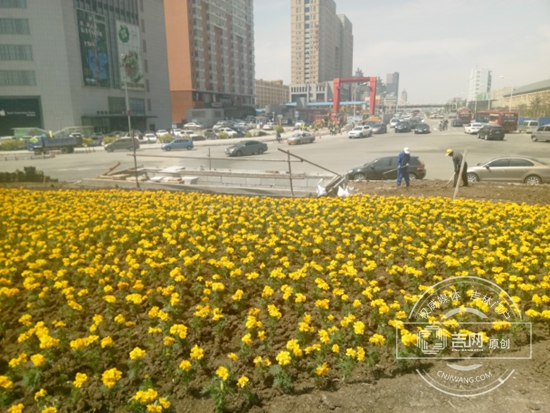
[[322, 42], [271, 92]]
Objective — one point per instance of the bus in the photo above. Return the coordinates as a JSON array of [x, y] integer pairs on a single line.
[[508, 120], [465, 115]]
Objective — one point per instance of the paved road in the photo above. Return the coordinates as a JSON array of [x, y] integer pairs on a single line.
[[337, 153]]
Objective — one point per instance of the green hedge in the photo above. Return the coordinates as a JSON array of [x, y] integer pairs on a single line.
[[109, 139], [13, 145], [165, 138], [223, 135]]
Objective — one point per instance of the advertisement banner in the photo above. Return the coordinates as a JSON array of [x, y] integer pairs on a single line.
[[92, 32], [129, 45]]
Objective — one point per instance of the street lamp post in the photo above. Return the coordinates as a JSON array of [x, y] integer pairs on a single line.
[[124, 64], [511, 93]]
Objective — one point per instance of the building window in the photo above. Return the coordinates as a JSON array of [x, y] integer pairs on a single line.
[[17, 78], [142, 26], [146, 65], [14, 26], [13, 4], [141, 6], [137, 106], [117, 105], [15, 52], [147, 85], [149, 107], [144, 47]]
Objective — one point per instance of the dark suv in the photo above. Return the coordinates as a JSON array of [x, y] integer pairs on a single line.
[[403, 126], [122, 143], [489, 132], [378, 169]]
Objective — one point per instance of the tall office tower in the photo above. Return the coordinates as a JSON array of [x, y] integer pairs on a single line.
[[404, 97], [392, 85], [480, 83], [210, 54], [321, 42], [61, 65]]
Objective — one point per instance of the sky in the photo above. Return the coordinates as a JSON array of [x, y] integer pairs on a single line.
[[433, 44]]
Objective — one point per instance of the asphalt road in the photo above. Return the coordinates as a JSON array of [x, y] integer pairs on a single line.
[[337, 153]]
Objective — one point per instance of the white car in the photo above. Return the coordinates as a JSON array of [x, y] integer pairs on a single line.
[[394, 122], [150, 137], [360, 132], [473, 128], [193, 125], [299, 124], [230, 132], [192, 134], [162, 132], [268, 126]]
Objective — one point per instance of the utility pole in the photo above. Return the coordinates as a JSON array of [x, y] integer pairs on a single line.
[[129, 114]]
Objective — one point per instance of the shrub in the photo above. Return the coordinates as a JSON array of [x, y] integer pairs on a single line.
[[87, 141], [249, 135], [165, 138], [279, 128], [13, 145], [223, 135], [109, 139]]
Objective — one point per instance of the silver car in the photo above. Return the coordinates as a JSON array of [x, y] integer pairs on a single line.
[[521, 169], [541, 134]]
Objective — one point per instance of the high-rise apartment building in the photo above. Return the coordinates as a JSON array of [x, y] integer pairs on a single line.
[[60, 65], [392, 86], [479, 84], [404, 97], [210, 54], [271, 92], [322, 42]]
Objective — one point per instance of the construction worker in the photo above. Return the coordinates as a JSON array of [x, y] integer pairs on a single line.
[[403, 161], [457, 161]]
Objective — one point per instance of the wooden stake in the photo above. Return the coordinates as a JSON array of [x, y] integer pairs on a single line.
[[460, 174]]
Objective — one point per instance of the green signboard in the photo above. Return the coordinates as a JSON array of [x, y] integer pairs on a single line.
[[92, 31]]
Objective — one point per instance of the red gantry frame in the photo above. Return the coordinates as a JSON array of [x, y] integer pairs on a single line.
[[336, 98]]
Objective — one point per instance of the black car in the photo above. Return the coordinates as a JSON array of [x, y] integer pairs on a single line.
[[491, 132], [414, 122], [403, 126], [379, 128], [385, 168], [422, 128], [457, 123], [246, 148], [210, 134]]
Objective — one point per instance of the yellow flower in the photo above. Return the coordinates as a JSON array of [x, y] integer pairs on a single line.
[[247, 339], [322, 370], [180, 330], [146, 396], [137, 353], [243, 381], [16, 408], [360, 353], [111, 377], [283, 358], [164, 403], [351, 353], [197, 353], [223, 373], [335, 348], [50, 409], [38, 360], [79, 380], [359, 327], [106, 342], [238, 295], [154, 408], [5, 382], [377, 339], [186, 365], [169, 341], [233, 356], [119, 319], [40, 393]]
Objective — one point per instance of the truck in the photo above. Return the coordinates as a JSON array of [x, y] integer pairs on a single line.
[[64, 145]]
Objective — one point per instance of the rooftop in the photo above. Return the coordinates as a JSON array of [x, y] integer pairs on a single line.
[[533, 87]]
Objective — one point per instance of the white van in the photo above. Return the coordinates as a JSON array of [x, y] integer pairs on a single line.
[[528, 126]]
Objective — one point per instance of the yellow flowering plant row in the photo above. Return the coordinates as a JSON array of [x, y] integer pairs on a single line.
[[99, 289]]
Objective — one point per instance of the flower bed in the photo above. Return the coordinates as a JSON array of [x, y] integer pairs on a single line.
[[113, 299]]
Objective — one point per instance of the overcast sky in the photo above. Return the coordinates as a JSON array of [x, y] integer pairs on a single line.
[[433, 44]]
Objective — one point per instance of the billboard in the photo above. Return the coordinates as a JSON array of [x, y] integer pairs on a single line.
[[129, 45], [19, 112], [92, 31]]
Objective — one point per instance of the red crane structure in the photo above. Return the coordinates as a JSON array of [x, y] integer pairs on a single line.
[[336, 92]]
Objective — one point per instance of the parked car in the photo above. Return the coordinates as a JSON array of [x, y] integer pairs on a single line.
[[150, 137], [223, 124], [122, 143], [97, 139], [246, 148], [162, 132], [379, 168], [268, 126], [230, 132], [178, 143], [541, 134], [299, 124], [528, 126], [491, 132], [456, 123], [193, 125], [523, 169], [403, 126], [379, 128], [473, 128], [210, 134], [189, 134], [300, 138], [415, 121], [422, 128], [360, 132]]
